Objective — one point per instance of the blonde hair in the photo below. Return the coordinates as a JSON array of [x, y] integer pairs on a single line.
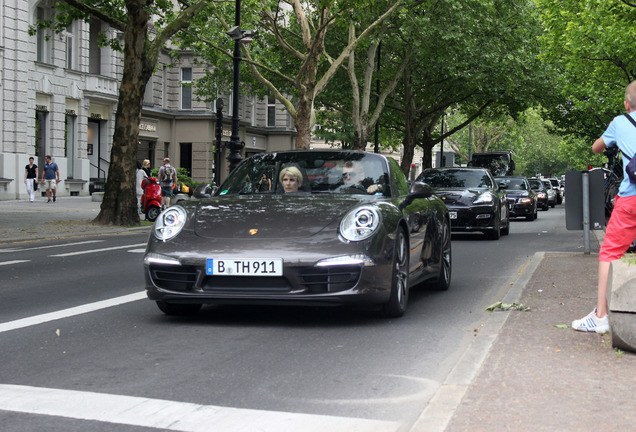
[[292, 171], [146, 163]]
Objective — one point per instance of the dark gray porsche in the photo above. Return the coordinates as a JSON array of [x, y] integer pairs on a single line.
[[325, 228]]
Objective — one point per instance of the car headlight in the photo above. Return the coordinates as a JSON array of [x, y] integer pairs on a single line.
[[485, 198], [525, 200], [169, 223], [360, 223]]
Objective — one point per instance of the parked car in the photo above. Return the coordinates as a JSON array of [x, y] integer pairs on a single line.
[[541, 192], [473, 197], [521, 198], [352, 233], [556, 185]]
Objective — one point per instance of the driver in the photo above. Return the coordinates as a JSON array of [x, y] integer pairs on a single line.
[[353, 175]]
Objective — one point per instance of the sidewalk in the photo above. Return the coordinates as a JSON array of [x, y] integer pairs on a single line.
[[522, 373], [539, 377], [23, 220]]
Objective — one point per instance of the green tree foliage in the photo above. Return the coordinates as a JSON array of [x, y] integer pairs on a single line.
[[592, 44], [290, 59], [134, 19], [478, 58]]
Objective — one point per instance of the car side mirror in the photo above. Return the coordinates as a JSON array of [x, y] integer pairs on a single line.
[[418, 190], [203, 191]]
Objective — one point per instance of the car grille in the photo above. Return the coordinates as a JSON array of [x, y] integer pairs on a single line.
[[512, 201], [329, 279], [179, 278], [310, 280]]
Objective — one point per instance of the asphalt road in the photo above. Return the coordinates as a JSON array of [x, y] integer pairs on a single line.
[[75, 327]]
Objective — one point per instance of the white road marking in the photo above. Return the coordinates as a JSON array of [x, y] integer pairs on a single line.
[[99, 250], [175, 416], [13, 262], [49, 246], [137, 250], [65, 313]]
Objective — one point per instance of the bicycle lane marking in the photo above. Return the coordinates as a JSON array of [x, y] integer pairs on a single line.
[[66, 313]]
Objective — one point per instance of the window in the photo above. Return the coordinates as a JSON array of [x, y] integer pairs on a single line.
[[185, 159], [69, 143], [148, 93], [186, 88], [94, 50], [271, 111], [69, 37], [43, 37]]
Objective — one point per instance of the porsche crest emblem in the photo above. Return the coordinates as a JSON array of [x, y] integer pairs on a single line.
[[253, 231]]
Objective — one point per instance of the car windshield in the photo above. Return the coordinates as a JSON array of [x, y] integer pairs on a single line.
[[547, 184], [456, 178], [536, 184], [312, 172], [513, 183]]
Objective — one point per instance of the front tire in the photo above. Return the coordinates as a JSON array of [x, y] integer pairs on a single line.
[[396, 305], [442, 283], [495, 233], [153, 213]]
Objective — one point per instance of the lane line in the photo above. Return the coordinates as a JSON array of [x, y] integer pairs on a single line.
[[171, 415], [50, 246], [66, 313], [14, 262], [98, 250]]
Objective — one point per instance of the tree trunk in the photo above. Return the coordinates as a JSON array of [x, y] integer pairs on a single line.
[[119, 205]]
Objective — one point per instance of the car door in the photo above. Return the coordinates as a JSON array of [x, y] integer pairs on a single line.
[[418, 216]]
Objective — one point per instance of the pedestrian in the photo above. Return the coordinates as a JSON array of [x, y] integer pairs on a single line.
[[621, 228], [50, 178], [264, 184], [146, 167], [139, 178], [31, 179], [167, 178]]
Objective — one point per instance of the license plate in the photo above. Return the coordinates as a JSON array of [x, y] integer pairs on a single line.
[[244, 267], [453, 214]]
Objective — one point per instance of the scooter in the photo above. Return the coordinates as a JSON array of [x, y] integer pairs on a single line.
[[151, 199]]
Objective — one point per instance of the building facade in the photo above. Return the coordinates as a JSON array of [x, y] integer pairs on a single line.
[[59, 98]]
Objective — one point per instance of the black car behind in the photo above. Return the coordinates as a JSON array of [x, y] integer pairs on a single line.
[[521, 198]]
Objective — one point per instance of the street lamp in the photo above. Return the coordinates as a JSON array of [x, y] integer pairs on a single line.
[[240, 36]]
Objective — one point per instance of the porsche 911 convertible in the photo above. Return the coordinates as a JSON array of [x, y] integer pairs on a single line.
[[326, 228]]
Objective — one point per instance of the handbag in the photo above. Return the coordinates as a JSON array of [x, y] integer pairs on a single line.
[[630, 169], [35, 185]]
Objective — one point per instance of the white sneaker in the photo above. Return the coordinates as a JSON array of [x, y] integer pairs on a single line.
[[592, 323]]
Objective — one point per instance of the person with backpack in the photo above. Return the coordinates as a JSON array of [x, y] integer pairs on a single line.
[[621, 228], [167, 178]]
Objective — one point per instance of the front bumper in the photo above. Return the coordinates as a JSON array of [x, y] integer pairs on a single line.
[[479, 218], [182, 277]]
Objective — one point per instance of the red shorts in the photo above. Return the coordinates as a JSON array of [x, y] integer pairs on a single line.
[[621, 229]]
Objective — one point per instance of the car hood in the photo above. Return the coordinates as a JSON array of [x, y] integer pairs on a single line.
[[270, 216], [459, 196]]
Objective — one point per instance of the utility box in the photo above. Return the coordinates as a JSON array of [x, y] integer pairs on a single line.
[[574, 199]]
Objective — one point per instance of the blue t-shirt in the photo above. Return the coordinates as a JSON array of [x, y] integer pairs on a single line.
[[50, 170], [622, 133]]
